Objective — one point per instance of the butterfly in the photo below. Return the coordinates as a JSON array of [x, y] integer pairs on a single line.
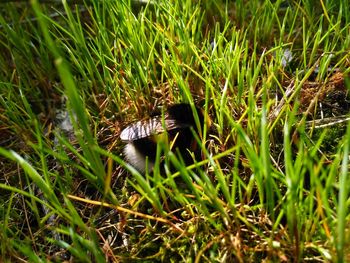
[[179, 123]]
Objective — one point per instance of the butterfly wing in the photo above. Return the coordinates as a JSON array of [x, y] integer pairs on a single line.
[[152, 126]]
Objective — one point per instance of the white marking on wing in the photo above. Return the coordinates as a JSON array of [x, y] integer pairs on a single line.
[[136, 158], [143, 129]]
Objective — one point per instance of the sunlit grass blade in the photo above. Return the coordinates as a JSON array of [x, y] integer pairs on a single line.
[[343, 197], [78, 114]]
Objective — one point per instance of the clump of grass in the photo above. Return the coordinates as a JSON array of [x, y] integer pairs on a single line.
[[265, 190]]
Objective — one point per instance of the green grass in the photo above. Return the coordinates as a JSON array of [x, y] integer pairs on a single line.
[[272, 185]]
